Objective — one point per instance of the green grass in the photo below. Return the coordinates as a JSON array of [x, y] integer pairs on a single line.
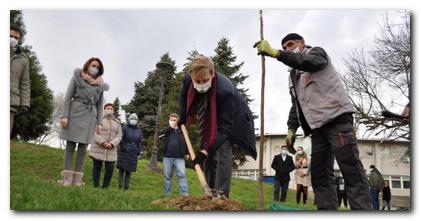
[[35, 169]]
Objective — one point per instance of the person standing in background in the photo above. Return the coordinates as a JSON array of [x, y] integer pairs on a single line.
[[104, 149], [20, 84], [283, 165], [130, 148]]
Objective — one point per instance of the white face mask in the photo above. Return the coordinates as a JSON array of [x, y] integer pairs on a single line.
[[202, 88], [370, 170], [284, 152], [133, 122], [13, 42], [93, 71], [300, 152], [109, 112], [297, 49], [172, 123]]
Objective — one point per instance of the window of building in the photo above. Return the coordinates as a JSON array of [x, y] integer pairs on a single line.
[[396, 182], [406, 183], [384, 153], [367, 151]]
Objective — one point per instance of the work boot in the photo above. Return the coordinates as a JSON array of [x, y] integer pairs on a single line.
[[67, 178], [77, 179]]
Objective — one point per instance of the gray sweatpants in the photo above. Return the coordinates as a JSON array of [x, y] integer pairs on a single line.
[[80, 156], [218, 169]]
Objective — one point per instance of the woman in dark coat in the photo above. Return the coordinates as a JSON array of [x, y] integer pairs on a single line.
[[130, 148]]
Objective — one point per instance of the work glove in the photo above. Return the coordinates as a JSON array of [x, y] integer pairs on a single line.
[[291, 140], [264, 48], [200, 158]]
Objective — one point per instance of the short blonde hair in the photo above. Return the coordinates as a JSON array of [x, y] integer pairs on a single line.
[[201, 63], [174, 115]]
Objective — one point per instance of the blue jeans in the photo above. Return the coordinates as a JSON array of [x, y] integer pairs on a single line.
[[375, 198], [180, 171]]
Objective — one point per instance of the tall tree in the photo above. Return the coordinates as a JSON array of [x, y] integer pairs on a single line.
[[116, 105], [145, 101], [37, 121], [225, 63], [380, 79]]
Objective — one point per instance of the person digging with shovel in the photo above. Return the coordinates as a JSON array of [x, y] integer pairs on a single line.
[[320, 105], [223, 117]]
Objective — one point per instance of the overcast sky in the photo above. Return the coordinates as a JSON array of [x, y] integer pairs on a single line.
[[131, 42]]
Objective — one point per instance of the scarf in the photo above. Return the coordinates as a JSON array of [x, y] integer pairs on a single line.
[[92, 81], [210, 125]]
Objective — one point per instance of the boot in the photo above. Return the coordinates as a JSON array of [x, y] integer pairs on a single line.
[[67, 178], [77, 179]]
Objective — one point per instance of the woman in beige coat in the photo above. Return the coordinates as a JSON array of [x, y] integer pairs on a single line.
[[302, 174], [104, 148]]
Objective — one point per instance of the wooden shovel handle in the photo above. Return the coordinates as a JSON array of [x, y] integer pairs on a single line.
[[197, 168]]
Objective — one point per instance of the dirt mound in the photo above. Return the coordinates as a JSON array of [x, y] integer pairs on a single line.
[[199, 203]]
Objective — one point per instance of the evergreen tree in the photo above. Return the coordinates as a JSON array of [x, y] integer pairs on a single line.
[[36, 122], [224, 61], [116, 105], [145, 101]]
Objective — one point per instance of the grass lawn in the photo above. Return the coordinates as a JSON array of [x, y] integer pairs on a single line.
[[35, 169]]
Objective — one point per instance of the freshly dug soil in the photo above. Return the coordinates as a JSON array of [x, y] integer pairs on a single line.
[[200, 203]]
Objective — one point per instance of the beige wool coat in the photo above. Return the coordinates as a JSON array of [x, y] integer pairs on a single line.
[[302, 172], [110, 132]]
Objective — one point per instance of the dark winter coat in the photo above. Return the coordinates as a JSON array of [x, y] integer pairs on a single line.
[[283, 168], [375, 180], [130, 147], [235, 121], [181, 148], [386, 193]]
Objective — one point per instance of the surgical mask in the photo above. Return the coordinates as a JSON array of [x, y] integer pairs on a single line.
[[297, 49], [93, 71], [172, 123], [109, 112], [284, 152], [300, 152], [133, 122], [13, 42], [371, 170], [202, 88]]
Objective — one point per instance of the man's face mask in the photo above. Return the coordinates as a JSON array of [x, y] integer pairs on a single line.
[[13, 42], [300, 152], [297, 49], [284, 152], [172, 123], [202, 88], [133, 122]]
